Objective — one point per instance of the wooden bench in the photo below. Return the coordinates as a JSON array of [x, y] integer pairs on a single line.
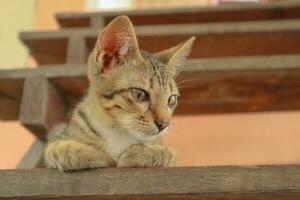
[[286, 9], [189, 183]]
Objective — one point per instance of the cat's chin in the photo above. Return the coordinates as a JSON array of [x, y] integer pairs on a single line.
[[164, 131], [148, 136], [142, 137]]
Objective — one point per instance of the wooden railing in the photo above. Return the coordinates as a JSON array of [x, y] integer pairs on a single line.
[[198, 183]]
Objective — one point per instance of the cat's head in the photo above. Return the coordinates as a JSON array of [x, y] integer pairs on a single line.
[[136, 90]]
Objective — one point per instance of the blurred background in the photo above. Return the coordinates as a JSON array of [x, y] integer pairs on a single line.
[[239, 138]]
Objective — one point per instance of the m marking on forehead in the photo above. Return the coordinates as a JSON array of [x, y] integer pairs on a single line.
[[171, 87], [151, 82]]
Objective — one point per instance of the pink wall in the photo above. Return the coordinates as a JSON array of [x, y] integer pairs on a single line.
[[14, 142], [238, 139]]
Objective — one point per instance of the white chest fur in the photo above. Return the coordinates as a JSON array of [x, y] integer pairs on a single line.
[[116, 143]]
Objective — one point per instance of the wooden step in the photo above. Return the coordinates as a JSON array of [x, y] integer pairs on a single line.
[[68, 79], [197, 183], [225, 13], [213, 40], [223, 85]]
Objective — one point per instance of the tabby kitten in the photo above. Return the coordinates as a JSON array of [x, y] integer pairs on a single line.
[[130, 99]]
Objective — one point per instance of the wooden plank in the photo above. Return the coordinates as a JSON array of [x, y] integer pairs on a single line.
[[34, 156], [246, 84], [213, 40], [197, 183], [41, 106], [224, 13]]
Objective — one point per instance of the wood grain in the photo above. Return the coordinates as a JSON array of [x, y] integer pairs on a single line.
[[225, 13], [201, 183], [213, 40]]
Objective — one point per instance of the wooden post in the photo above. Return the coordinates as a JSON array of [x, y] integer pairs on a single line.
[[76, 51], [97, 22], [41, 106]]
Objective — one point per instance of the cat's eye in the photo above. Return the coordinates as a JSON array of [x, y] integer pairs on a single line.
[[172, 102], [139, 95]]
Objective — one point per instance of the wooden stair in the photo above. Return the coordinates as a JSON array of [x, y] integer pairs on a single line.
[[213, 40], [287, 9], [219, 85]]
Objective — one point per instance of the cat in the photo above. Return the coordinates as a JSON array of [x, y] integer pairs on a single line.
[[130, 100]]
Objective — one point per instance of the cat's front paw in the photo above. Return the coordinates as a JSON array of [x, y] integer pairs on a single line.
[[131, 157], [147, 156], [123, 161], [170, 157]]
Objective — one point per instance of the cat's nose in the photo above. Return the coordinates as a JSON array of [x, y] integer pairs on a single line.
[[161, 125]]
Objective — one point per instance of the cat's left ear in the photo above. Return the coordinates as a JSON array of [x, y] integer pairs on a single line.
[[174, 57], [116, 44]]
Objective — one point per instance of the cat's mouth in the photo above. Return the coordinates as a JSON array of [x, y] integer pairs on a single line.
[[158, 132], [163, 131]]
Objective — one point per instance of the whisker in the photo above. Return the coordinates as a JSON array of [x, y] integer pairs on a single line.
[[188, 80], [186, 86]]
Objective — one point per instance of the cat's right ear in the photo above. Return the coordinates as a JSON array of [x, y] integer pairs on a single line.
[[175, 57], [115, 44]]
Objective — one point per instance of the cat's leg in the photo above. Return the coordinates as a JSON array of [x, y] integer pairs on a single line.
[[68, 155], [146, 155]]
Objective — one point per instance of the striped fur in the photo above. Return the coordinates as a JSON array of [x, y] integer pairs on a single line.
[[110, 127]]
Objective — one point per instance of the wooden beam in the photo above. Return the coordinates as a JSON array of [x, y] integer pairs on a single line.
[[97, 22], [245, 84], [190, 183], [41, 106], [34, 156], [213, 40], [225, 13]]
